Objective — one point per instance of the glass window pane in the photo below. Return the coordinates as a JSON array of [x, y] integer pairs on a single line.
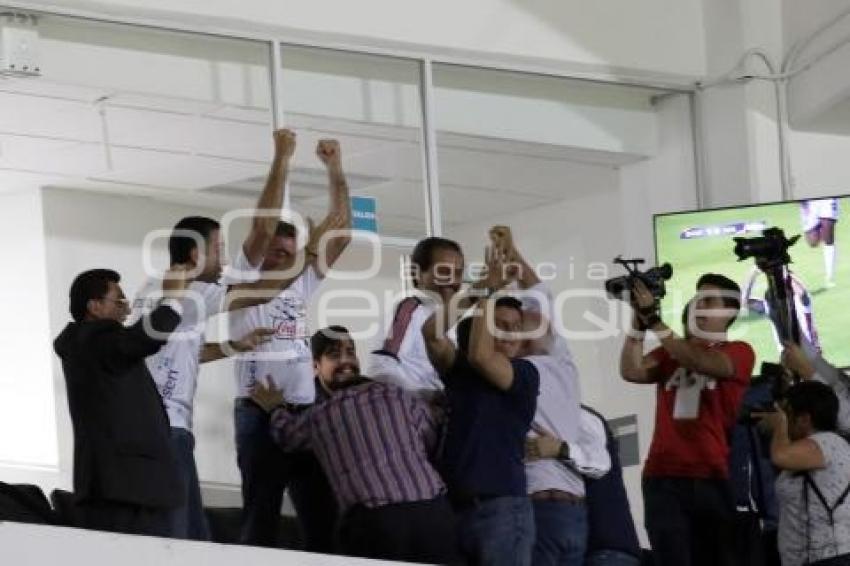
[[147, 108], [372, 105], [575, 168]]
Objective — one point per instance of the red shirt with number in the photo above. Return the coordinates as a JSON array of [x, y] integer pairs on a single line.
[[695, 414]]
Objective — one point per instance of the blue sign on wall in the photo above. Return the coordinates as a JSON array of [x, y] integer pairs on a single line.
[[364, 214]]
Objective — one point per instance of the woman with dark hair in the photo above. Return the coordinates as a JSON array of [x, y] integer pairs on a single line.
[[813, 488]]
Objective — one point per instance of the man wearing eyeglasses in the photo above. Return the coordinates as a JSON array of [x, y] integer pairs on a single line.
[[125, 476]]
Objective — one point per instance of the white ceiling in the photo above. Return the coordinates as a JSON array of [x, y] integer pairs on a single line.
[[189, 151]]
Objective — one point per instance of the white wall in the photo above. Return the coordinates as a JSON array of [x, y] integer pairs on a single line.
[[820, 164], [27, 419], [818, 100], [663, 36], [813, 94]]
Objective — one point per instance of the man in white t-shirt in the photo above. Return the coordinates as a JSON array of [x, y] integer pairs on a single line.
[[197, 242], [287, 362]]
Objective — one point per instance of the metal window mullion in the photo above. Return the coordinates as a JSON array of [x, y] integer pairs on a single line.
[[429, 150], [276, 88]]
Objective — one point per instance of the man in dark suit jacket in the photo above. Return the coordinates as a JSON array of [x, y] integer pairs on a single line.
[[125, 475]]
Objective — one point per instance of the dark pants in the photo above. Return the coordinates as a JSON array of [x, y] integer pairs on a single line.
[[125, 518], [266, 472], [755, 546], [561, 533], [497, 532], [421, 531], [690, 521], [188, 521], [611, 558]]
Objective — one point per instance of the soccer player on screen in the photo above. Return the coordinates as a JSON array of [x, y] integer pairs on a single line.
[[819, 218], [803, 307]]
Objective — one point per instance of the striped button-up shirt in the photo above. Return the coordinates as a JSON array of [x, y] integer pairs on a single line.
[[373, 440]]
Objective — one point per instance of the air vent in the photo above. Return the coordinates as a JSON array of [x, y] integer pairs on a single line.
[[19, 45]]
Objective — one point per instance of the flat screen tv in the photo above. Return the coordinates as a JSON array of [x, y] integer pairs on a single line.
[[702, 241]]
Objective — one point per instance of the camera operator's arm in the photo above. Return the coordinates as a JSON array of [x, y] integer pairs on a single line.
[[713, 364], [689, 355], [794, 359], [797, 456], [809, 364], [635, 367]]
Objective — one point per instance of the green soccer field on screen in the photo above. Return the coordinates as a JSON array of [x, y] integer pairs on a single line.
[[700, 242]]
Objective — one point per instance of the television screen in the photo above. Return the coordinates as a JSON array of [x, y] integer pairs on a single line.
[[699, 242]]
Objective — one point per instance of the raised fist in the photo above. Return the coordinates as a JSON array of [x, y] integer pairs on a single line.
[[284, 142], [328, 152], [502, 241]]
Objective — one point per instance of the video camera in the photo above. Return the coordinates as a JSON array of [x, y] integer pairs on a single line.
[[772, 386], [653, 278], [771, 254], [769, 249]]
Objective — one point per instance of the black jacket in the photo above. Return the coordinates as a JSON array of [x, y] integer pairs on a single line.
[[122, 448]]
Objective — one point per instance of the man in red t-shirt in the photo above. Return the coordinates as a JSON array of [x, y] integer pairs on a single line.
[[700, 379]]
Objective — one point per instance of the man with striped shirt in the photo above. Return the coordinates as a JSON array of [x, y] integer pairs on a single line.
[[375, 443]]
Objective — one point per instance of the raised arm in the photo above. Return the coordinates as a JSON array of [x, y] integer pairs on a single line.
[[690, 356], [270, 284], [502, 240], [441, 351], [809, 364], [796, 456], [634, 366], [271, 200], [494, 366], [495, 278], [151, 331], [328, 152], [711, 363]]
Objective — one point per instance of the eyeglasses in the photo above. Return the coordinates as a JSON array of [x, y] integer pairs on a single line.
[[120, 302]]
